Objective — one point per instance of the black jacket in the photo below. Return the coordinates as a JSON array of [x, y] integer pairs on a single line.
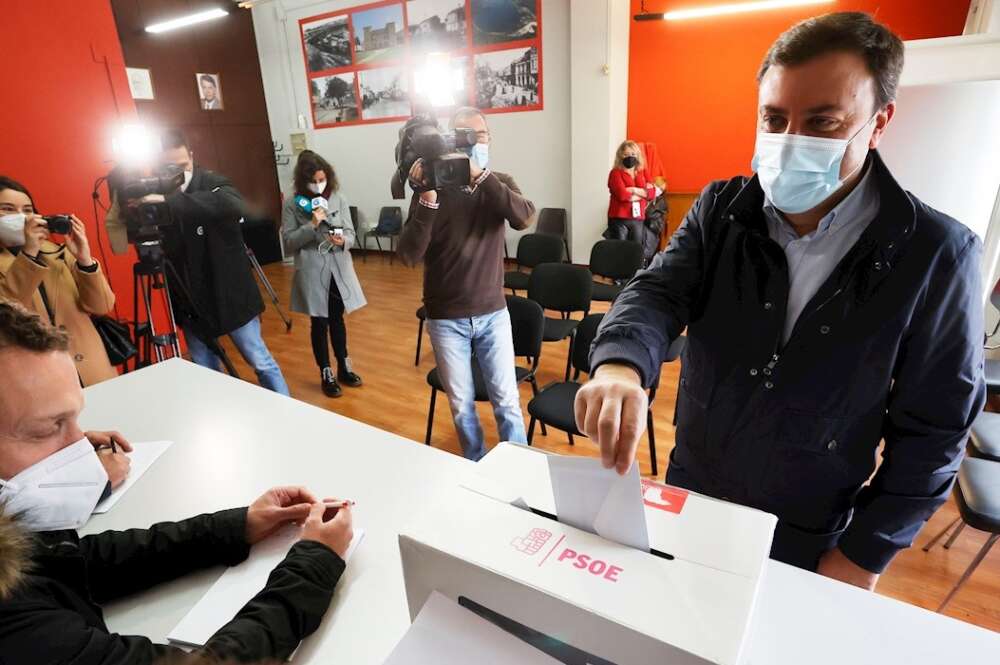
[[889, 348], [51, 588], [205, 245]]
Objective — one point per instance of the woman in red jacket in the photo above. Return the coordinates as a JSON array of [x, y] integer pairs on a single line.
[[631, 190]]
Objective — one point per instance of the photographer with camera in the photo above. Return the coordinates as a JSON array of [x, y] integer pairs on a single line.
[[316, 225], [458, 232], [60, 282], [216, 293]]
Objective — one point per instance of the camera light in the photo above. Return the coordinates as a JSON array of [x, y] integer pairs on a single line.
[[439, 79], [135, 145]]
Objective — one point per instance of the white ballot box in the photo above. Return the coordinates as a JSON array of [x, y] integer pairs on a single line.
[[580, 598]]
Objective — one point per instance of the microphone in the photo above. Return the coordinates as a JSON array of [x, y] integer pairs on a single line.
[[320, 202]]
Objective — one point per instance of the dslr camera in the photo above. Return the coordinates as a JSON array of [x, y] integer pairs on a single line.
[[144, 221], [446, 165]]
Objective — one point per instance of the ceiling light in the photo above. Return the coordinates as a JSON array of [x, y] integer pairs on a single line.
[[183, 21], [722, 10]]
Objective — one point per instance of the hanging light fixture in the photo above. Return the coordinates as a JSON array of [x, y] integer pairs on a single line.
[[722, 10]]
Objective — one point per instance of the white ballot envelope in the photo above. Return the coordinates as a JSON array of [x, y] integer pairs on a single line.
[[445, 633], [598, 500], [143, 456], [238, 585]]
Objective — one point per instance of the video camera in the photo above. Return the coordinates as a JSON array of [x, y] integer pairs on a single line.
[[144, 221], [445, 164]]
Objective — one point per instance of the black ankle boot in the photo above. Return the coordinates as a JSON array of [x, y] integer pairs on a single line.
[[329, 383], [346, 375]]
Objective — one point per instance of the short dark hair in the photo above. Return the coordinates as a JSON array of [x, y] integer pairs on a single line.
[[173, 138], [10, 183], [306, 167], [851, 32], [466, 112], [208, 78], [21, 329]]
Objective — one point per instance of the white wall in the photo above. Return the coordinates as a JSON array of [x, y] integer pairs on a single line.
[[532, 146], [599, 53]]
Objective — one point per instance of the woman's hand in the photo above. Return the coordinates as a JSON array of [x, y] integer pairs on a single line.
[[337, 240], [319, 216], [35, 231], [78, 244]]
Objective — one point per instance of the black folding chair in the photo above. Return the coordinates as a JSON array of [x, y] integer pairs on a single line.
[[617, 260], [532, 249], [552, 221], [526, 323], [564, 288], [390, 225]]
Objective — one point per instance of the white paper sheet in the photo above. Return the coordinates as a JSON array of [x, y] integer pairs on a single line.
[[598, 500], [143, 455], [445, 633], [238, 585]]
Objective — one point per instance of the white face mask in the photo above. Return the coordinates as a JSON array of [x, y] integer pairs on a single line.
[[59, 492], [318, 187], [187, 180], [797, 173], [12, 229], [481, 154]]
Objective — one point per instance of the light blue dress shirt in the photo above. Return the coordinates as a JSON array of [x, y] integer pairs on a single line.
[[812, 257]]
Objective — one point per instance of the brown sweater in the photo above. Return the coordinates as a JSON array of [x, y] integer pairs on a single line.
[[461, 243]]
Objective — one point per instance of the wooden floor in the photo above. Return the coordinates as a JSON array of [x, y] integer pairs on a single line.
[[395, 397]]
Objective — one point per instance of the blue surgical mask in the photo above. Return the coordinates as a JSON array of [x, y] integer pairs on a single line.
[[796, 172], [480, 153]]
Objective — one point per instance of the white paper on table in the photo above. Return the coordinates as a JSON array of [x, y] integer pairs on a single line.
[[143, 455], [445, 633], [598, 500], [238, 585]]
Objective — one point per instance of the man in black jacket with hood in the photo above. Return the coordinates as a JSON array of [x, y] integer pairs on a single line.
[[827, 310], [204, 244], [52, 583]]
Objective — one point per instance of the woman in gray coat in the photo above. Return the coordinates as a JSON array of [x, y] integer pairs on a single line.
[[316, 225]]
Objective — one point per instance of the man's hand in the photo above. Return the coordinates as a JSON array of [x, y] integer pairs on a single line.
[[835, 564], [35, 231], [78, 244], [417, 179], [99, 439], [336, 534], [611, 410], [275, 508], [116, 465]]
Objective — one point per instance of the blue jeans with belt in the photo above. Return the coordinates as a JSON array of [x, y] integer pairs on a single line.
[[250, 343], [488, 337]]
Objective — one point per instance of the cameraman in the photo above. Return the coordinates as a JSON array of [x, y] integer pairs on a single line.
[[459, 235], [205, 245]]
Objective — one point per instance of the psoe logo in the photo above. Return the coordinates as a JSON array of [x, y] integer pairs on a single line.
[[531, 543]]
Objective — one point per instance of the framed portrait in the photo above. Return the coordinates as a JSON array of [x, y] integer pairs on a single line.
[[209, 91]]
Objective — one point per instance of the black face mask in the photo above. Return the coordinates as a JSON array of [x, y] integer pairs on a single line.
[[630, 162]]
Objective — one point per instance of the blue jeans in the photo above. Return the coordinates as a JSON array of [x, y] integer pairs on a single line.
[[489, 338], [248, 340]]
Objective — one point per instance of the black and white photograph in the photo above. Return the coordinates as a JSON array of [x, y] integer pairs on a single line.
[[499, 21], [506, 79], [334, 99], [436, 25], [379, 34], [327, 43], [209, 91], [384, 93]]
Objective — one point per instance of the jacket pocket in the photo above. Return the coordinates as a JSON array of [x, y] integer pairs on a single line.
[[691, 419], [806, 459]]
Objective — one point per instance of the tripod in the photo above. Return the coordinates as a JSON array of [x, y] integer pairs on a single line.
[[267, 286], [150, 274]]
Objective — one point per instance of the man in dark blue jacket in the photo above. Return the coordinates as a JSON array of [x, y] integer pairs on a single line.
[[827, 310]]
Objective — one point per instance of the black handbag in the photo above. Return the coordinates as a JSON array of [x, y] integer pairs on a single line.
[[115, 336]]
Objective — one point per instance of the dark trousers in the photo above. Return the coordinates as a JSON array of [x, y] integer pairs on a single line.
[[334, 322], [793, 545]]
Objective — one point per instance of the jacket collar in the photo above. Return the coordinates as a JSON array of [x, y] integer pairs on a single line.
[[15, 545], [894, 223]]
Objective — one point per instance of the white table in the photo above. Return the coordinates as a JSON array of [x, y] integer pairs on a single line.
[[233, 440]]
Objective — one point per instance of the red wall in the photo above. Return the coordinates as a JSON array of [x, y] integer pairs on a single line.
[[692, 84], [65, 91]]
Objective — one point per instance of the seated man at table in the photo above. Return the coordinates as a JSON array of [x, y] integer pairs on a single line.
[[52, 583]]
